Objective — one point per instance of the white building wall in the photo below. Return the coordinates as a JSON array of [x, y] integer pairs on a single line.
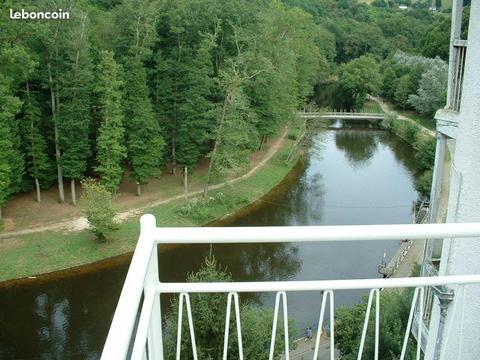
[[461, 334]]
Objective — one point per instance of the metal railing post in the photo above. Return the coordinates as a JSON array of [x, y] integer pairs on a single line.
[[155, 338], [121, 330]]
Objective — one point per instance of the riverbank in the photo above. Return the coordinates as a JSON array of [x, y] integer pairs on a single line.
[[419, 137], [32, 253], [414, 120]]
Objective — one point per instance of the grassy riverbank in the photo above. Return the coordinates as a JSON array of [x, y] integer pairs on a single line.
[[32, 254]]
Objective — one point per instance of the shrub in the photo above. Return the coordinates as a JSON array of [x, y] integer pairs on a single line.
[[424, 183], [425, 156], [98, 208], [406, 130], [201, 210], [389, 120], [410, 132], [292, 134]]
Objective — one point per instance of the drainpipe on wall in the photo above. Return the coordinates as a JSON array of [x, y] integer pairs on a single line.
[[445, 296]]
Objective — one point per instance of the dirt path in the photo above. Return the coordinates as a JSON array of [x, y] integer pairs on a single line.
[[81, 223], [386, 108]]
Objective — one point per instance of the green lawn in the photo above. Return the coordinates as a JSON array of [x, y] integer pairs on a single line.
[[425, 121], [447, 4], [372, 107], [33, 254]]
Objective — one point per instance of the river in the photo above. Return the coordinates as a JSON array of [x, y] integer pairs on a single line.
[[353, 175]]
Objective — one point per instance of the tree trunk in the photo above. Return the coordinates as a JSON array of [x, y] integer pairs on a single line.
[[61, 192], [185, 183], [215, 147], [37, 187], [77, 59], [37, 183], [74, 194], [139, 189], [174, 161], [1, 216], [262, 142]]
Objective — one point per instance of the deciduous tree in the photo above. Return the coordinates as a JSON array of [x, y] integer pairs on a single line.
[[358, 78], [98, 209], [432, 91], [403, 90]]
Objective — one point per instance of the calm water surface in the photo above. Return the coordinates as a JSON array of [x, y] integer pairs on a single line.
[[353, 175]]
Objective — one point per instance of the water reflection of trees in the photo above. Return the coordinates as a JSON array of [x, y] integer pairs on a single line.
[[401, 151], [246, 262], [359, 146], [59, 318]]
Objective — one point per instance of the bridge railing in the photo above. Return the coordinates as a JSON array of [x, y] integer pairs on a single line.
[[136, 331], [340, 112], [342, 115]]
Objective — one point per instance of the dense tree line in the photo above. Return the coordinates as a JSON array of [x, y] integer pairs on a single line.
[[127, 88], [369, 42]]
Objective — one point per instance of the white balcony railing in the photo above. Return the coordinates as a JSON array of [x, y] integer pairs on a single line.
[[143, 280]]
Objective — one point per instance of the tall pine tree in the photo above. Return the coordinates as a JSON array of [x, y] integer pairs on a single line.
[[144, 141], [110, 141], [75, 113], [9, 154], [197, 119]]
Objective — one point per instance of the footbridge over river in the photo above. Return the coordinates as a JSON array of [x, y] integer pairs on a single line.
[[341, 115]]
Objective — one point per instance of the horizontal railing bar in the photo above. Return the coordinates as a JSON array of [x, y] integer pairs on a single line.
[[460, 43], [280, 234], [315, 285], [340, 113]]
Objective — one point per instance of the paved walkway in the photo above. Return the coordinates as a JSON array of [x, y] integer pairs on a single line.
[[305, 349], [414, 256]]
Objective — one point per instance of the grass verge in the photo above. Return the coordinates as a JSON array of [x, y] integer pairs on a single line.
[[371, 106], [423, 120], [39, 253]]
